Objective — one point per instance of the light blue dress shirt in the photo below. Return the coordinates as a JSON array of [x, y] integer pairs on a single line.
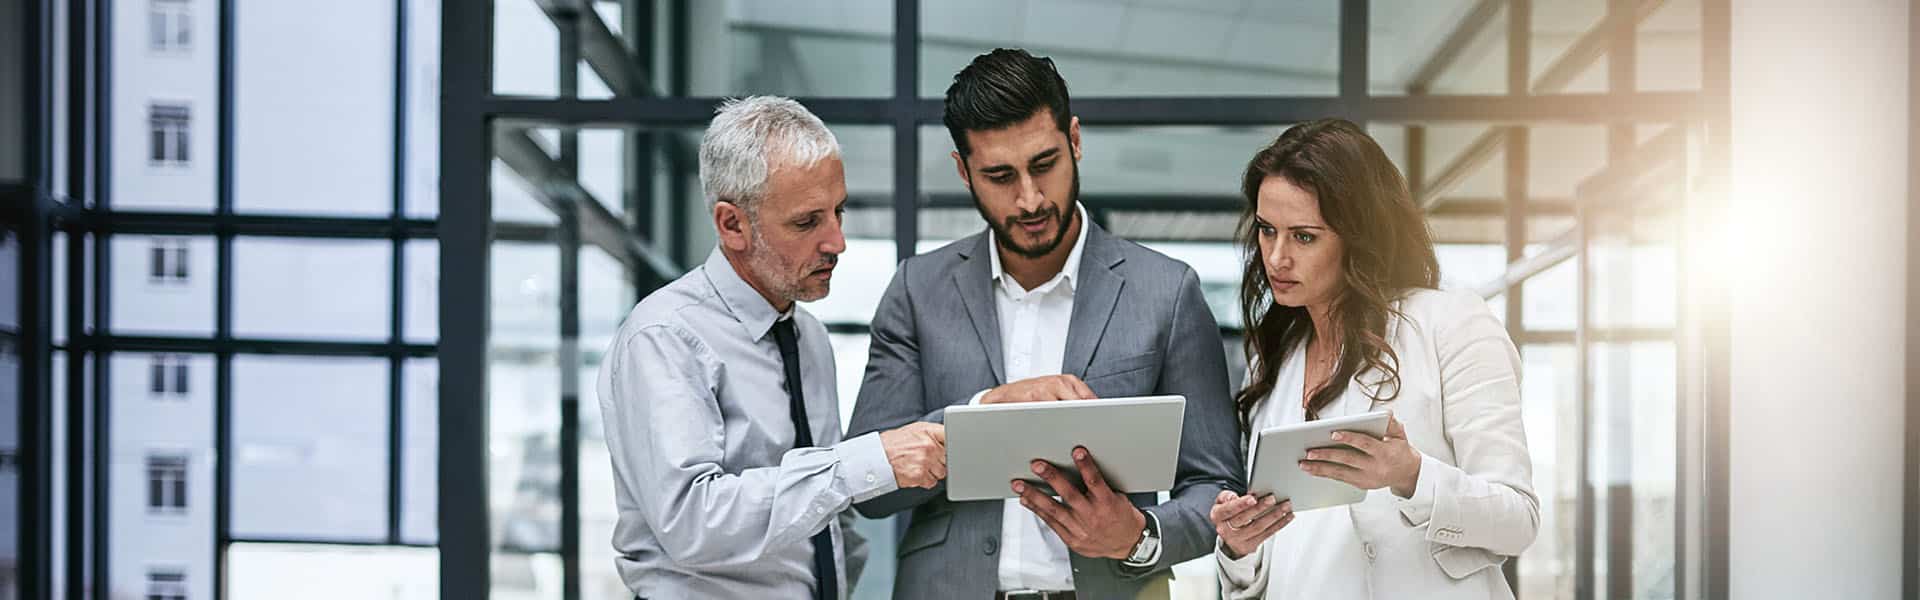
[[714, 500]]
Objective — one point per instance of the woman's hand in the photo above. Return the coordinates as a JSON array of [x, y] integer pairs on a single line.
[[1371, 463], [1243, 522]]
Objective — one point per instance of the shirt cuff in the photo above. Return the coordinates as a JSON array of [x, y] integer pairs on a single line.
[[1238, 571], [864, 470], [975, 400], [1419, 509]]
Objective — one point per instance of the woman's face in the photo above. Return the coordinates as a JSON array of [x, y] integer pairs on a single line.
[[1303, 257]]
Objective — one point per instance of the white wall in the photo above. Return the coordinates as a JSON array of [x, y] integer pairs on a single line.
[[144, 423], [142, 76], [1819, 200]]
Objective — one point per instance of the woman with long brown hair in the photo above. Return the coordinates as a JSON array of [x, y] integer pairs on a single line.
[[1344, 317]]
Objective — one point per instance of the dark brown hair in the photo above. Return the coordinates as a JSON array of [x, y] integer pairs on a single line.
[[1388, 252], [1000, 89]]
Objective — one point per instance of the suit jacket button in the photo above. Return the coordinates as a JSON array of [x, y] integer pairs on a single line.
[[993, 545]]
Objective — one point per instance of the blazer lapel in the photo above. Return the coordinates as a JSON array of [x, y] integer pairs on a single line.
[[1094, 296], [974, 282]]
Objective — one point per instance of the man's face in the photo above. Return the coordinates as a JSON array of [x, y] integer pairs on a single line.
[[795, 239], [1025, 180]]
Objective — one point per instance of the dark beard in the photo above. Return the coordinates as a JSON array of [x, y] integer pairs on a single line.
[[1004, 230]]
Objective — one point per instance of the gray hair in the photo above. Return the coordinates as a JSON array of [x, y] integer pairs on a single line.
[[750, 138]]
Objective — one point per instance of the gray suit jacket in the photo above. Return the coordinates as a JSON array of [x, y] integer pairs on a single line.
[[1140, 327]]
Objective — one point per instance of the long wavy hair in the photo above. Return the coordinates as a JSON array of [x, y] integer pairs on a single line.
[[1388, 253]]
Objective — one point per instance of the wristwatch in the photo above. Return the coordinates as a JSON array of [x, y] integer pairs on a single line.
[[1147, 552]]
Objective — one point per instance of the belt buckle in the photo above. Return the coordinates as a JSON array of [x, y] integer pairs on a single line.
[[1029, 595]]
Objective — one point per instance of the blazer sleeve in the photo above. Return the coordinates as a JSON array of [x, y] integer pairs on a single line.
[[1483, 508], [891, 394]]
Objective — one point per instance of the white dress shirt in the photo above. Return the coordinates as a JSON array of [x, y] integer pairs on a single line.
[[714, 499], [1319, 553], [1033, 341]]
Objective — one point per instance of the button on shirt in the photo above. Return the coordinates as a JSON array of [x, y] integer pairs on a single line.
[[1033, 334], [714, 499]]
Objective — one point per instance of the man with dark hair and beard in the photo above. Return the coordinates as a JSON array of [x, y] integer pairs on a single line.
[[1043, 306]]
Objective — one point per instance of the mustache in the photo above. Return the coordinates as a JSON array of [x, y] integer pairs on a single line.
[[826, 261], [1049, 211]]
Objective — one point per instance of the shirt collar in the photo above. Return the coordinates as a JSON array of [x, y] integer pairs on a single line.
[[745, 303], [1069, 272]]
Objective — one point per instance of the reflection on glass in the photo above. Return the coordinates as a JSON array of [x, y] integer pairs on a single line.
[[310, 448], [1145, 49]]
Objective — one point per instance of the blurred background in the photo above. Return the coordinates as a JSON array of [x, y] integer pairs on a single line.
[[306, 300]]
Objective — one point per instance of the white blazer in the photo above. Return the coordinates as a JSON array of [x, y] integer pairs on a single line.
[[1474, 505]]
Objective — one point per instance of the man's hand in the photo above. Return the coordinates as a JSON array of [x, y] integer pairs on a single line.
[[1046, 388], [1098, 522], [918, 453]]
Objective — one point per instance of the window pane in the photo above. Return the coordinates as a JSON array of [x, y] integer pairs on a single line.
[[1551, 411], [1559, 66], [145, 305], [1145, 49], [422, 152], [734, 48], [1669, 48], [310, 443], [139, 427], [314, 572], [312, 288], [1633, 467], [297, 108], [422, 291], [1418, 47], [523, 399], [420, 450]]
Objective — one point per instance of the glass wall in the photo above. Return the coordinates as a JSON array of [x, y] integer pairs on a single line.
[[593, 117], [269, 271]]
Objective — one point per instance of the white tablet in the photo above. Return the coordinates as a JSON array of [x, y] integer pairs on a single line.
[[1136, 442], [1277, 453]]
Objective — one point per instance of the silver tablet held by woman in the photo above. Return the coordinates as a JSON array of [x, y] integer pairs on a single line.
[[1277, 452]]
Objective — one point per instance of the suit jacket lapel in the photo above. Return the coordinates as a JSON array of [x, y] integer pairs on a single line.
[[974, 282], [1094, 296]]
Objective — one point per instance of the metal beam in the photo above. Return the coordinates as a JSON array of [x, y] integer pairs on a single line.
[[598, 46], [466, 212], [556, 189], [1477, 154], [141, 223], [691, 112], [1589, 47], [1470, 27]]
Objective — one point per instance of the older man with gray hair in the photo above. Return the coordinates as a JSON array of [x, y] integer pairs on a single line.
[[718, 391]]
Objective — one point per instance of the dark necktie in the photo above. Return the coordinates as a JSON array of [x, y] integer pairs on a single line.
[[826, 584]]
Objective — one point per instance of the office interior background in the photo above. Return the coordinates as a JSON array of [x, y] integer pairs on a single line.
[[305, 300]]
